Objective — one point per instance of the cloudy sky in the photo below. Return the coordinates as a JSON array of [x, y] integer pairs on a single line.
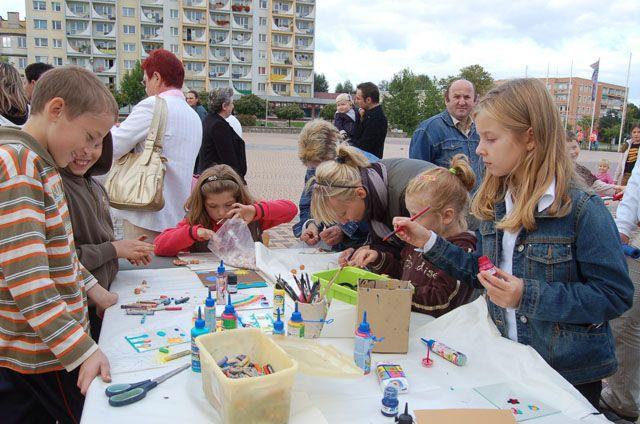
[[373, 39]]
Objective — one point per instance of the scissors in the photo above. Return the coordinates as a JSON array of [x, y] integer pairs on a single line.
[[125, 394]]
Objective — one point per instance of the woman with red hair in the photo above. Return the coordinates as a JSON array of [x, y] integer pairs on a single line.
[[163, 77]]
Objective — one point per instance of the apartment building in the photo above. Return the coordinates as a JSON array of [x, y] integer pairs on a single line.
[[13, 40], [264, 47]]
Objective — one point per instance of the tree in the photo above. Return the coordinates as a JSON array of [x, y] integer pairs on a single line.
[[383, 85], [289, 112], [250, 104], [328, 112], [118, 96], [204, 99], [320, 83], [610, 119], [347, 87], [584, 124], [339, 88], [476, 74], [131, 89]]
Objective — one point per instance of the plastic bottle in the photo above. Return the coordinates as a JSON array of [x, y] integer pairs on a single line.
[[278, 299], [363, 345], [221, 283], [405, 418], [390, 401], [451, 355], [278, 325], [198, 330], [232, 283], [210, 313], [485, 264], [295, 326], [229, 317]]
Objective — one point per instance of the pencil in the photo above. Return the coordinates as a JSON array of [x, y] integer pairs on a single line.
[[413, 218]]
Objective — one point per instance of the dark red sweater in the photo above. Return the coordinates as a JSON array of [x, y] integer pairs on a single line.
[[269, 213], [436, 292]]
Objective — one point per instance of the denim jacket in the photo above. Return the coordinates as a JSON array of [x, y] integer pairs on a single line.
[[437, 140], [575, 281]]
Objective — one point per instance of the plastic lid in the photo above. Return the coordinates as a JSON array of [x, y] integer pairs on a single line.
[[209, 302], [199, 321], [229, 309], [296, 316], [278, 325], [232, 279], [221, 269], [405, 418], [364, 326]]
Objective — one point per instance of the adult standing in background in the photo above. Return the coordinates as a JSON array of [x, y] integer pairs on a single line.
[[14, 105], [371, 130], [32, 74], [194, 101], [163, 77], [235, 124], [441, 137], [628, 160]]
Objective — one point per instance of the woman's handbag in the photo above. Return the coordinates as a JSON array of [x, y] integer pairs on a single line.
[[136, 180]]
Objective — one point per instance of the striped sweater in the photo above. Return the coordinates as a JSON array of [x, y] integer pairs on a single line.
[[43, 301]]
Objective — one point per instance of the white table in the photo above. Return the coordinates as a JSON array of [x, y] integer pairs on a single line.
[[181, 398]]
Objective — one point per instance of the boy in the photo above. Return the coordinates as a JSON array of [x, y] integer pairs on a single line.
[[46, 353]]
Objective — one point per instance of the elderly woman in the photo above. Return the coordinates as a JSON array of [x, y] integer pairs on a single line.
[[220, 143], [193, 99], [13, 99]]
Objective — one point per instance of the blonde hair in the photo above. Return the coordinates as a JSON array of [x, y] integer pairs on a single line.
[[337, 179], [343, 97], [215, 180], [520, 105], [81, 90], [441, 188], [604, 162], [317, 142], [12, 94]]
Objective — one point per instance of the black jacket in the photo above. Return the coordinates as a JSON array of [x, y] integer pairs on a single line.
[[371, 131], [221, 145]]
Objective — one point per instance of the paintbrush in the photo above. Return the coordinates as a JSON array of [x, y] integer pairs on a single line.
[[413, 218], [328, 286]]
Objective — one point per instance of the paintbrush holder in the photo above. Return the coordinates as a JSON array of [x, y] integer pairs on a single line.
[[313, 315]]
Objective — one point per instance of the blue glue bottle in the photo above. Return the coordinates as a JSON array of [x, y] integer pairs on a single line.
[[210, 313], [278, 325], [229, 317], [221, 283], [198, 330], [363, 345], [390, 401]]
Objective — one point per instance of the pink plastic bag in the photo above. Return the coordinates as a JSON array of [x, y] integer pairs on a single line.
[[234, 244]]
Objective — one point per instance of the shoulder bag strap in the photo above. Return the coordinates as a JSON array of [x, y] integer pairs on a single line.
[[156, 129]]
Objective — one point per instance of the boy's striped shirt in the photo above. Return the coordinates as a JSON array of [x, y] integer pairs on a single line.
[[43, 304]]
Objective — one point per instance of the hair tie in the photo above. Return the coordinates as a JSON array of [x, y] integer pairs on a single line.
[[453, 171], [341, 160]]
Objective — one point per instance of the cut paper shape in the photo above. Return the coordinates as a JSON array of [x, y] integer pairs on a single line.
[[513, 401], [506, 395], [153, 340], [261, 320], [533, 407], [252, 301], [209, 277]]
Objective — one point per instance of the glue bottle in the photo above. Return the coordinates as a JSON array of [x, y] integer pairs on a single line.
[[229, 317], [221, 283], [485, 264], [363, 345], [451, 355], [278, 325], [390, 401], [198, 330], [210, 313], [405, 418], [278, 299], [295, 326]]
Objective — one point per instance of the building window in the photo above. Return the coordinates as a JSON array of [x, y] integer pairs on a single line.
[[39, 24], [263, 21], [129, 29], [174, 48], [129, 64], [42, 59], [22, 42], [57, 61], [262, 38], [262, 70], [129, 47], [262, 54], [263, 4], [56, 24], [22, 62], [6, 41], [261, 86], [39, 5], [57, 43], [42, 42], [55, 6], [174, 31], [174, 13], [128, 11]]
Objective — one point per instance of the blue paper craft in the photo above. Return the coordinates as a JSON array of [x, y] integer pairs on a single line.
[[155, 339]]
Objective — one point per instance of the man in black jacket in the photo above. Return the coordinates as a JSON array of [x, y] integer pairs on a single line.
[[371, 130]]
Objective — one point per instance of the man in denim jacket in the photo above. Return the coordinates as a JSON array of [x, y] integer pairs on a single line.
[[442, 136]]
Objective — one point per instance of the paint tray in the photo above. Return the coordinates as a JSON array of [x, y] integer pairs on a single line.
[[345, 288], [265, 398]]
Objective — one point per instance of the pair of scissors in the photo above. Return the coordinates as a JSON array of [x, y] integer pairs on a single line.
[[125, 394]]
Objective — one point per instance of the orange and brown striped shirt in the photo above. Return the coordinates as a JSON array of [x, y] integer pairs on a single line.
[[43, 302]]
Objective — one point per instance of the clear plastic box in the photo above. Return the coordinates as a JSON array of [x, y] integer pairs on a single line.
[[263, 399]]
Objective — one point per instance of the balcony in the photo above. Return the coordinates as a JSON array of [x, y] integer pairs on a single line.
[[242, 88], [281, 59], [153, 3], [194, 20], [304, 77], [78, 48], [104, 68], [279, 92], [78, 14], [218, 54], [219, 72], [108, 15], [193, 36], [282, 25], [195, 74], [279, 77], [306, 1], [241, 39], [75, 32], [305, 12], [219, 20], [219, 37], [105, 33], [194, 4], [103, 49], [241, 72], [242, 23], [303, 30], [241, 56], [220, 5], [303, 60], [302, 90], [281, 43], [241, 7], [151, 36], [149, 16], [282, 8], [306, 46]]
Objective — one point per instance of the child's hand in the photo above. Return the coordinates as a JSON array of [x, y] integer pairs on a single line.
[[343, 260], [310, 234], [246, 212], [332, 235], [205, 233], [102, 298], [132, 249], [505, 290], [94, 365], [363, 257], [410, 231]]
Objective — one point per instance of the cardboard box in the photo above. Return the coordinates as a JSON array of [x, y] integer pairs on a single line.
[[388, 306]]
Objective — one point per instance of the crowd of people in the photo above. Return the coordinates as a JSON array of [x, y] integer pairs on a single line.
[[496, 174]]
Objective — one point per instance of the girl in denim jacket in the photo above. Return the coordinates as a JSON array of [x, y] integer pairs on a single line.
[[562, 275]]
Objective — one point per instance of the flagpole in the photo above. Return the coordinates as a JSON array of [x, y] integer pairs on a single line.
[[566, 119], [624, 105], [594, 97]]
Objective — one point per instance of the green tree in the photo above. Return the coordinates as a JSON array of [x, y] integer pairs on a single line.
[[250, 105], [131, 88], [481, 79], [289, 112], [610, 119], [328, 111], [339, 88], [345, 87], [320, 83], [611, 133], [584, 123], [204, 99], [633, 117], [4, 59], [118, 96]]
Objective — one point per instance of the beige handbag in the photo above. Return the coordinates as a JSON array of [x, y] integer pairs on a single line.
[[136, 180]]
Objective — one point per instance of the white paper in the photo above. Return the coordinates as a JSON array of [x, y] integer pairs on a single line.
[[344, 320]]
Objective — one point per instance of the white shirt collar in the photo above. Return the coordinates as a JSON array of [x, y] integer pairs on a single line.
[[545, 201]]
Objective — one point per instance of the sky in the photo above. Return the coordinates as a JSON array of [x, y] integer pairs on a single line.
[[371, 40]]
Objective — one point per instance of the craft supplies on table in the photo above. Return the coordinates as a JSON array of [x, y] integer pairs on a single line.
[[392, 374], [444, 351], [144, 341], [512, 397], [125, 394], [199, 329]]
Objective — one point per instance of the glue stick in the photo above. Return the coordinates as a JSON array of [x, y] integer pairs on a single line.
[[451, 355]]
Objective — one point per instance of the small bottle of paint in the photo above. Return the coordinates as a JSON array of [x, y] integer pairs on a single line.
[[232, 283], [390, 401], [221, 283], [198, 330], [278, 325], [278, 299], [405, 418], [295, 326], [451, 355], [363, 345], [229, 317], [485, 264], [210, 313]]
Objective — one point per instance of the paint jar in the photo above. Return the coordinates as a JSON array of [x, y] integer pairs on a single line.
[[390, 402], [232, 283], [314, 315], [485, 264]]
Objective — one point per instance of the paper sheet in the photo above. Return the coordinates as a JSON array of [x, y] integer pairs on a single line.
[[463, 416], [344, 320]]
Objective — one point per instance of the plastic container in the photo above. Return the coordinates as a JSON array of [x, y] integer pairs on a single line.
[[265, 399], [348, 276]]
